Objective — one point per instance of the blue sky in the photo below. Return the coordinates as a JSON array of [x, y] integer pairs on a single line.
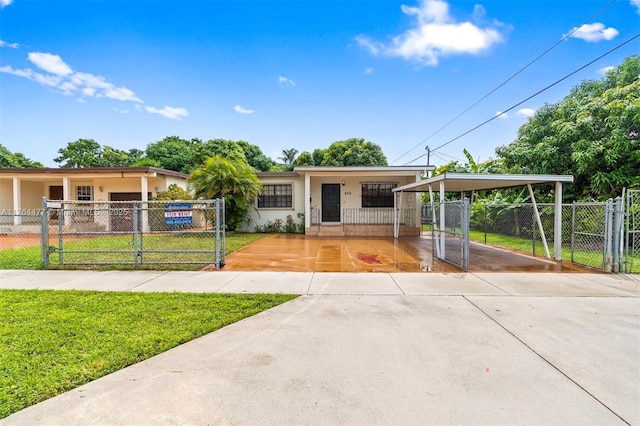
[[294, 74]]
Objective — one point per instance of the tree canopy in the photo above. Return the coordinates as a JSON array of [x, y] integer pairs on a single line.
[[10, 159], [593, 134], [353, 152], [89, 153]]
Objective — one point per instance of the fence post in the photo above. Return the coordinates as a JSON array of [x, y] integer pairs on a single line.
[[135, 234], [573, 230], [465, 233], [608, 228], [44, 233], [617, 235]]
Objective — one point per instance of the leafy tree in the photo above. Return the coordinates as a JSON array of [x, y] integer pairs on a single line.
[[255, 157], [174, 192], [235, 181], [10, 159], [89, 153], [304, 159], [81, 153], [318, 156], [354, 152], [173, 153], [593, 134]]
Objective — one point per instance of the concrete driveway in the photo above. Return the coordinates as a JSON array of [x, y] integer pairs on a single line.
[[378, 349]]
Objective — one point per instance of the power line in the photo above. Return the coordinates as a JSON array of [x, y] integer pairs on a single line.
[[532, 96], [507, 80]]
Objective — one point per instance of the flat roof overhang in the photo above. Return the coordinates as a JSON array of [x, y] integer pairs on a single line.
[[459, 182]]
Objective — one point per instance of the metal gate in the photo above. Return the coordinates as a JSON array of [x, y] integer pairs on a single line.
[[134, 233], [631, 252], [450, 231]]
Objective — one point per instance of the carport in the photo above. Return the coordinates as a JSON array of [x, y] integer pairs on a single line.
[[464, 183]]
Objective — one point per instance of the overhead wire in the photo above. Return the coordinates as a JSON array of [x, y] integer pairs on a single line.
[[531, 97], [507, 80]]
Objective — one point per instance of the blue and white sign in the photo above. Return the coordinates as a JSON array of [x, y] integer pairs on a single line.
[[178, 214]]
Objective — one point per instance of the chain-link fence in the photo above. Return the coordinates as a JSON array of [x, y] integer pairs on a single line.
[[631, 252], [448, 222], [592, 233], [135, 233]]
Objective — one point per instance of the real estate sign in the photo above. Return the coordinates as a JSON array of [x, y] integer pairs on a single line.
[[178, 214]]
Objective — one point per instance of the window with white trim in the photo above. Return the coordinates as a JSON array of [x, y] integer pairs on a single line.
[[84, 193], [377, 194], [278, 196]]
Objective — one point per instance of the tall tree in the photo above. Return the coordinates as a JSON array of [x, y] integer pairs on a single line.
[[288, 156], [173, 153], [304, 159], [235, 181], [81, 153], [354, 152], [593, 134], [10, 159]]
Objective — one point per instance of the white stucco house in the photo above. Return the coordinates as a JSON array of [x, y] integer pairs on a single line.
[[22, 190], [332, 201], [340, 201]]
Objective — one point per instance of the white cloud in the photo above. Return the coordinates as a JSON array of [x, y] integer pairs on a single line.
[[605, 70], [502, 115], [285, 80], [9, 45], [62, 77], [4, 3], [636, 3], [121, 111], [168, 112], [50, 63], [526, 112], [241, 110], [435, 34], [594, 33], [368, 70]]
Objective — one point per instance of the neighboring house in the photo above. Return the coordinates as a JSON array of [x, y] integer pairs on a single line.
[[22, 190], [339, 201]]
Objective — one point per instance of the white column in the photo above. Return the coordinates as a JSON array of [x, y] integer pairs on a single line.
[[557, 232], [144, 189], [307, 201], [17, 201], [66, 196], [395, 215]]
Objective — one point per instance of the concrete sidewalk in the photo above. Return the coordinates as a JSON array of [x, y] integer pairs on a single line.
[[398, 348]]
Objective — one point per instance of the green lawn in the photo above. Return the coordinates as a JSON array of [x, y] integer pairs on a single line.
[[54, 341], [120, 249]]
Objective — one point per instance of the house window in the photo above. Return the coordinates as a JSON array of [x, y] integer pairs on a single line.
[[276, 197], [377, 194], [84, 193]]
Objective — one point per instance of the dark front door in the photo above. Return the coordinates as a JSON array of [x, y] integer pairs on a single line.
[[331, 202], [120, 214], [55, 193]]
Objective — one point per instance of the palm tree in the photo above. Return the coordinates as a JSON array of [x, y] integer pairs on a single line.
[[288, 156], [235, 181]]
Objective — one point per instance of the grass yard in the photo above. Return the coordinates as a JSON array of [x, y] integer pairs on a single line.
[[54, 341], [120, 249]]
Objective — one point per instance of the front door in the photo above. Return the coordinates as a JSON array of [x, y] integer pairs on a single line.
[[120, 214], [330, 202]]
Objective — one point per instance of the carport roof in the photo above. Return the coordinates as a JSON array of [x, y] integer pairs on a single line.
[[458, 182]]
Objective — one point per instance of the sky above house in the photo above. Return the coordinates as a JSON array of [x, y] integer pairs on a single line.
[[299, 73]]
